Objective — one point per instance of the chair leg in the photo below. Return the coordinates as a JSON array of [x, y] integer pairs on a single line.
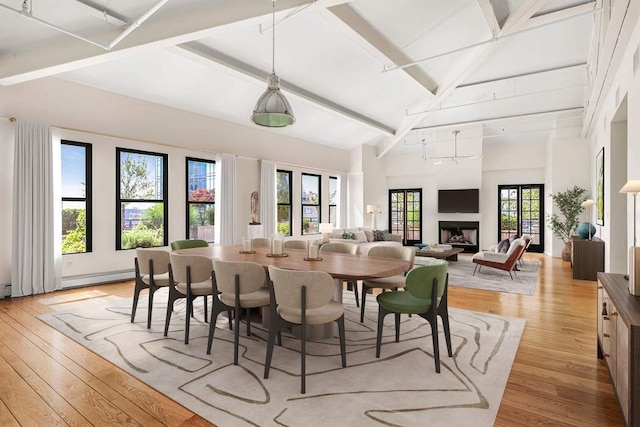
[[397, 316], [303, 339], [248, 322], [443, 311], [152, 290], [136, 295], [343, 348], [187, 322], [474, 270], [381, 313], [273, 330], [217, 307], [230, 317], [365, 288], [173, 296], [355, 292], [510, 275], [236, 336], [434, 335], [205, 308]]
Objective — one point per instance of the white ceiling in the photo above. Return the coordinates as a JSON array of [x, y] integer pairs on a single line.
[[515, 69]]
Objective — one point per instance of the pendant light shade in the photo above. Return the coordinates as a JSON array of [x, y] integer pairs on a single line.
[[272, 109]]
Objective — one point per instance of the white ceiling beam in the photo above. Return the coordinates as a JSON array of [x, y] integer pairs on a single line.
[[205, 55], [463, 69], [388, 52], [559, 15], [163, 32], [490, 16], [530, 74]]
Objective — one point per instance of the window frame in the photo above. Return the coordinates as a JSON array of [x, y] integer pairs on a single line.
[[164, 200], [88, 199], [290, 204], [335, 204], [302, 204], [189, 203]]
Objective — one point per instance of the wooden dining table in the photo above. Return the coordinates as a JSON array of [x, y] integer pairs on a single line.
[[340, 266]]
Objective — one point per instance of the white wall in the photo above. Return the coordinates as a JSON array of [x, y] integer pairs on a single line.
[[146, 126]]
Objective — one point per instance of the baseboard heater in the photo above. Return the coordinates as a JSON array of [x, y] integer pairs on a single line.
[[97, 278]]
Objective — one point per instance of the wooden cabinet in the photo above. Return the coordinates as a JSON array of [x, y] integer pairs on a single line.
[[587, 257], [619, 341]]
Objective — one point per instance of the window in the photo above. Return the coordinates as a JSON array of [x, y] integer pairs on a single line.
[[333, 200], [283, 191], [76, 197], [201, 197], [141, 211], [405, 207], [521, 211], [310, 203]]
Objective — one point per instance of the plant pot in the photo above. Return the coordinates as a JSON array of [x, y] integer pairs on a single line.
[[566, 251]]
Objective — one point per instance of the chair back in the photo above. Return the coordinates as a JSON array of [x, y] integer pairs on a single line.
[[252, 276], [419, 281], [404, 253], [200, 267], [340, 248], [158, 257], [188, 244], [295, 244], [528, 238], [260, 242], [515, 246], [287, 287]]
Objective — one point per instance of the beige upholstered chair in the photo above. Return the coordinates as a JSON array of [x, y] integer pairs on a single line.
[[190, 277], [152, 272], [260, 242], [302, 298], [387, 283], [344, 248], [236, 285], [296, 244], [506, 262]]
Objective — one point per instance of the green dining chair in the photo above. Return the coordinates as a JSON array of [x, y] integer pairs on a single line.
[[188, 244], [425, 295]]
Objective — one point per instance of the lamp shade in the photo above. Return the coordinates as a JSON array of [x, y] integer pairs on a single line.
[[325, 227], [588, 203], [632, 186], [373, 209], [273, 109]]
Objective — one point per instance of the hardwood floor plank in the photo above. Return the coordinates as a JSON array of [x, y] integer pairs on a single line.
[[6, 419]]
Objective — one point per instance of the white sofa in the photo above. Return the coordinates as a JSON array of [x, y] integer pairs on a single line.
[[364, 238]]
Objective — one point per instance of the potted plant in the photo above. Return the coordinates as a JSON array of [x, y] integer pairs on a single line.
[[564, 224]]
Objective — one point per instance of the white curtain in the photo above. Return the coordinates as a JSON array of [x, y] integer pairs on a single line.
[[268, 197], [227, 200], [342, 201], [35, 256]]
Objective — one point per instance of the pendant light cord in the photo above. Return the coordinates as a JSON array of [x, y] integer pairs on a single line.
[[273, 34]]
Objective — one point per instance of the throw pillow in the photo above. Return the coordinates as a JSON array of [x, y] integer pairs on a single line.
[[503, 246], [348, 235], [378, 235], [360, 236], [369, 235]]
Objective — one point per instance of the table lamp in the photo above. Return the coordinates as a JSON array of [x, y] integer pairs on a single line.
[[588, 204], [373, 210], [633, 187], [325, 228]]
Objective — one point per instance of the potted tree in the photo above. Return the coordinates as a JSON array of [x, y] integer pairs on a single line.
[[564, 224]]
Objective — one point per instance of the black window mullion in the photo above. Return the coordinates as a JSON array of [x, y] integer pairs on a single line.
[[208, 181], [87, 199], [288, 205], [317, 205]]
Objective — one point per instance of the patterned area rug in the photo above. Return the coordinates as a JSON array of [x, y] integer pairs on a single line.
[[491, 279], [400, 388]]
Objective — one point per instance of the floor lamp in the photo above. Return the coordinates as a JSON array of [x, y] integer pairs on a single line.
[[633, 187], [588, 204], [373, 210]]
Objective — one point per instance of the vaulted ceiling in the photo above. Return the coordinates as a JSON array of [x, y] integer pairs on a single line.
[[394, 74]]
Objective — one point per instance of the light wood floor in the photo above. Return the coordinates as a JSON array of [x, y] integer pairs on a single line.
[[47, 379]]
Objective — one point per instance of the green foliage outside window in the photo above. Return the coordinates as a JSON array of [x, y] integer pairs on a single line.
[[75, 240]]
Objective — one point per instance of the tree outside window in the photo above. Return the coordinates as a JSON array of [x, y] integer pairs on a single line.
[[201, 199], [76, 196], [283, 194]]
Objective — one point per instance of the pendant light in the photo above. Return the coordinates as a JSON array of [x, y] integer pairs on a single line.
[[273, 109]]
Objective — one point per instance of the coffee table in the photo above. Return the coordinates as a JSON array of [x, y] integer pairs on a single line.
[[448, 254]]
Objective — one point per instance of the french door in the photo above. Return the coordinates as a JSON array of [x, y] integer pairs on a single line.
[[405, 214], [520, 211]]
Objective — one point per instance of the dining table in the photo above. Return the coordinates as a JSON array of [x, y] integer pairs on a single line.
[[340, 266]]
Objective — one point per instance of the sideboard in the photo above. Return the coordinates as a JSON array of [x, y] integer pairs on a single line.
[[619, 341]]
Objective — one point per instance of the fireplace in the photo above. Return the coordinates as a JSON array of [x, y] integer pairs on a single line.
[[460, 234]]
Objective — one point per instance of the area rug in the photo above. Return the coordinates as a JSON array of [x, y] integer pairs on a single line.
[[401, 388], [523, 282]]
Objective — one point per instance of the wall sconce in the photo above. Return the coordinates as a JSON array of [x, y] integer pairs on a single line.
[[373, 210]]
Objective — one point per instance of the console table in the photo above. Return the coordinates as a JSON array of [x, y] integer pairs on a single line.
[[619, 341], [587, 257]]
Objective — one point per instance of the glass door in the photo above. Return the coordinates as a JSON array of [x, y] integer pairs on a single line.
[[405, 214], [520, 211]]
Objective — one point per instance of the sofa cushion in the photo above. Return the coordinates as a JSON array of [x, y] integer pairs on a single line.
[[369, 234], [361, 237], [378, 235]]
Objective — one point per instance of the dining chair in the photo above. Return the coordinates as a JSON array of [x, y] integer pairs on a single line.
[[387, 283], [188, 244], [344, 248], [152, 272], [301, 298], [260, 242], [190, 277], [296, 244], [236, 286], [425, 295]]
